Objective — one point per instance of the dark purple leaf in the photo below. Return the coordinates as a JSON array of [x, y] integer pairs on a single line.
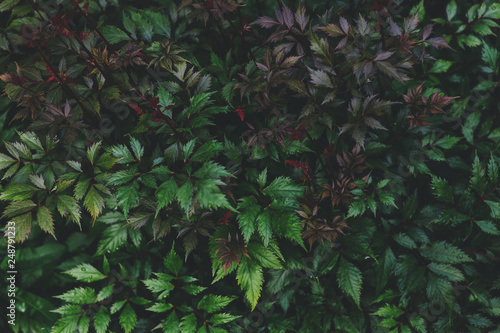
[[344, 25], [288, 16], [265, 22], [438, 42], [383, 56]]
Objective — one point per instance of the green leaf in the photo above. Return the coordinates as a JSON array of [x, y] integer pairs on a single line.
[[262, 179], [283, 188], [17, 192], [171, 324], [84, 324], [451, 10], [166, 193], [67, 324], [493, 171], [102, 320], [249, 210], [68, 206], [212, 170], [45, 220], [113, 238], [128, 196], [264, 256], [105, 292], [79, 295], [81, 188], [121, 177], [160, 307], [447, 271], [122, 153], [222, 318], [478, 179], [350, 280], [439, 289], [488, 227], [207, 151], [5, 161], [85, 273], [113, 34], [18, 207], [188, 324], [128, 319], [93, 202], [92, 152], [173, 262], [442, 189], [445, 253], [441, 66], [389, 311], [405, 240], [251, 279], [495, 209], [184, 196], [159, 286], [214, 303], [7, 4], [493, 11], [264, 225], [447, 142], [137, 149], [188, 148]]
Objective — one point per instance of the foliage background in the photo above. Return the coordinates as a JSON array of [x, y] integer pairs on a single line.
[[225, 166]]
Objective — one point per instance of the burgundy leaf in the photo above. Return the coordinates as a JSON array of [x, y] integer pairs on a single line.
[[344, 25], [383, 55]]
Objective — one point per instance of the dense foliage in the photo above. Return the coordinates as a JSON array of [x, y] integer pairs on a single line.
[[230, 166]]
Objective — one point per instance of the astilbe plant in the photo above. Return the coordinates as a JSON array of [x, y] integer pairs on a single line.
[[172, 124]]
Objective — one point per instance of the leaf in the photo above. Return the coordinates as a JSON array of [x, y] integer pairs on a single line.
[[405, 240], [262, 178], [45, 220], [171, 324], [7, 4], [121, 177], [67, 324], [283, 188], [113, 34], [264, 256], [445, 253], [222, 318], [184, 196], [173, 262], [389, 311], [188, 324], [249, 210], [101, 320], [350, 279], [442, 189], [165, 193], [478, 179], [251, 279], [113, 238], [79, 295], [265, 22], [448, 271], [264, 225], [447, 142], [93, 202], [320, 78], [5, 161], [128, 319], [441, 66], [67, 205], [214, 303], [488, 227], [495, 209], [92, 151], [127, 196], [86, 273], [17, 192], [391, 71], [137, 149], [451, 10], [18, 207]]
